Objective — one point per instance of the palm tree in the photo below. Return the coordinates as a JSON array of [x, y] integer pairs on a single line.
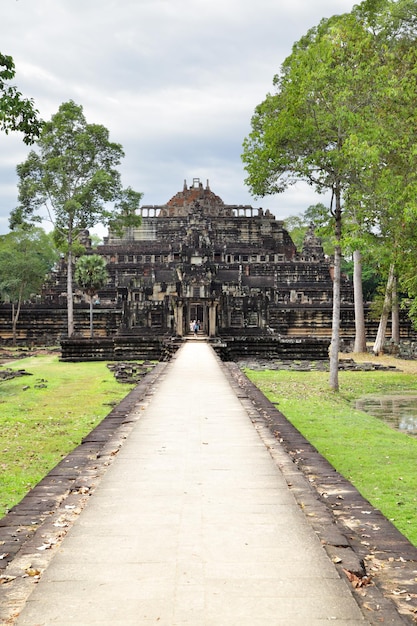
[[91, 275]]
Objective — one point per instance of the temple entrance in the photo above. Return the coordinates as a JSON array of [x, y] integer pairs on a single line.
[[199, 312], [187, 311]]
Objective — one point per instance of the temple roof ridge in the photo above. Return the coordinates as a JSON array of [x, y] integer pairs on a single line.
[[194, 198]]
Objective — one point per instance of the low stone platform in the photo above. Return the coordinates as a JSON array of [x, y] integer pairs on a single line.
[[312, 365]]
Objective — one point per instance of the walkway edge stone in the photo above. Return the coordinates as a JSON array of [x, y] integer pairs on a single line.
[[33, 529], [362, 543]]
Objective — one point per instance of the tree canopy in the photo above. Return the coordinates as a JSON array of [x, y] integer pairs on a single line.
[[26, 257], [16, 112], [74, 177], [335, 121], [91, 275]]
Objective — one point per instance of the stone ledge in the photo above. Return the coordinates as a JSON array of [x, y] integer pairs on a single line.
[[33, 529]]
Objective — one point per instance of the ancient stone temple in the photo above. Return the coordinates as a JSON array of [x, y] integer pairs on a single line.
[[230, 267], [234, 269]]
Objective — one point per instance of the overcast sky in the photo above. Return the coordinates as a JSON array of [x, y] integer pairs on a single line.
[[175, 82]]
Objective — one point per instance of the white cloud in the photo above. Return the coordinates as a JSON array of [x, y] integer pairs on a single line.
[[174, 81]]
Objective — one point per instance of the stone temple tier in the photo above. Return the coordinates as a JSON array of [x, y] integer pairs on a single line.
[[234, 269]]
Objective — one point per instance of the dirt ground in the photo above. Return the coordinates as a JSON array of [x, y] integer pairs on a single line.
[[8, 354], [408, 366]]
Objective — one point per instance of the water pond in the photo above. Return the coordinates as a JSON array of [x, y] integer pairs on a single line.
[[396, 410]]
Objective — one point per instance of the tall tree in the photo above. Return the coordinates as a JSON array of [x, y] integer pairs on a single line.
[[16, 112], [26, 257], [360, 332], [316, 126], [386, 191], [378, 347], [91, 275], [356, 242], [74, 177]]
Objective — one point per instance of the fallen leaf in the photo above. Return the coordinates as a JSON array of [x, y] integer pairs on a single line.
[[358, 581], [32, 571], [6, 579]]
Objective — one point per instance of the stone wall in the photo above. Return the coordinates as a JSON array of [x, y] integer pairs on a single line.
[[46, 324], [146, 348], [237, 347]]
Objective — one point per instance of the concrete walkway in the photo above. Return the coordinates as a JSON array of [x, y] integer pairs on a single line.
[[192, 524]]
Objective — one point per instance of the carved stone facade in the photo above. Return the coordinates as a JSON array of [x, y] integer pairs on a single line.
[[233, 268], [230, 267]]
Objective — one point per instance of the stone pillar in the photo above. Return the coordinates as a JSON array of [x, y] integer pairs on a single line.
[[212, 319], [179, 321]]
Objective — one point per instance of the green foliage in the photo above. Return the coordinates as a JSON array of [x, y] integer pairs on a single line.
[[371, 279], [96, 240], [317, 127], [74, 176], [91, 273], [16, 113], [318, 216], [342, 117], [297, 228], [406, 264], [26, 257], [314, 127]]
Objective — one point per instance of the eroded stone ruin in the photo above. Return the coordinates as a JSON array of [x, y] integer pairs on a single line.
[[233, 268]]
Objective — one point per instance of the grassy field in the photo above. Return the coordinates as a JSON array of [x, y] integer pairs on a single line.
[[379, 461], [45, 415]]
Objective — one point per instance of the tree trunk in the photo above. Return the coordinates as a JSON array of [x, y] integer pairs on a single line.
[[15, 314], [334, 346], [360, 334], [91, 317], [14, 323], [70, 302], [395, 315], [382, 328]]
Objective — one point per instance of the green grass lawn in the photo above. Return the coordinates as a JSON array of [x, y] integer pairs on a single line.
[[45, 415], [379, 461]]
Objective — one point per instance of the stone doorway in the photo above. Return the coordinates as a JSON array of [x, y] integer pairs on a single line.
[[198, 311]]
